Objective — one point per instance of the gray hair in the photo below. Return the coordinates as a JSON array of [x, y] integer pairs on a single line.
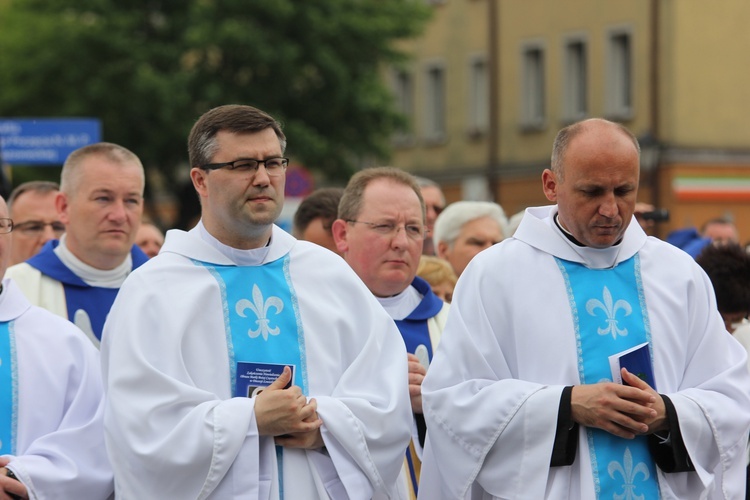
[[449, 223], [70, 175]]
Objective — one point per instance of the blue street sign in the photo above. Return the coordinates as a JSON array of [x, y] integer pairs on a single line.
[[45, 141]]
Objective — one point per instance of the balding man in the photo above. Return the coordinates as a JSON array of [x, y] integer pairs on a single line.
[[523, 398]]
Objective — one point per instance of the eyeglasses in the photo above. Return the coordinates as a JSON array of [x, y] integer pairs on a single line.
[[274, 166], [6, 225], [413, 231], [36, 227]]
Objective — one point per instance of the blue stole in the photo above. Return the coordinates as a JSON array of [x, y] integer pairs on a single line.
[[610, 316], [416, 336], [93, 300], [413, 328], [262, 322], [9, 389]]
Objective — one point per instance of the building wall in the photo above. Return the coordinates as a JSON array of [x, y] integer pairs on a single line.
[[697, 114]]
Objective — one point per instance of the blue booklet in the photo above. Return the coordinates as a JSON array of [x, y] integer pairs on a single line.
[[637, 360], [252, 378]]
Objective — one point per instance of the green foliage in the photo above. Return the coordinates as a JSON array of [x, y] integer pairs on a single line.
[[148, 69]]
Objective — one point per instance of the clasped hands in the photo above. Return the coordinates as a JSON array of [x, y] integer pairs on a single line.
[[287, 415], [623, 410], [9, 486]]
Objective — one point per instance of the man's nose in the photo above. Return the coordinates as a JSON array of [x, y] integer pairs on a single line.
[[608, 208]]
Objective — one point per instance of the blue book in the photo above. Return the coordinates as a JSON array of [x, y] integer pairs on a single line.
[[252, 378], [637, 360]]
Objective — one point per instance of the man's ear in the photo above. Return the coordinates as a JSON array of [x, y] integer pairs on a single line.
[[61, 204], [442, 250], [198, 176], [549, 184], [338, 230]]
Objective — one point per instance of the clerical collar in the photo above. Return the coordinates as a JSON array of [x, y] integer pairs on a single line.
[[594, 258], [251, 257], [401, 305], [103, 278]]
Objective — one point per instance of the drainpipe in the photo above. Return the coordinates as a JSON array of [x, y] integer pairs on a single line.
[[493, 56]]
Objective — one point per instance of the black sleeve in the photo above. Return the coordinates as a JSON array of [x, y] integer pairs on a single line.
[[566, 437], [421, 428], [667, 447]]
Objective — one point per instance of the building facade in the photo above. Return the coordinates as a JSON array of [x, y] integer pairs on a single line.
[[491, 82]]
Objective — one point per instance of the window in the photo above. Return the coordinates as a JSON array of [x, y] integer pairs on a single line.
[[479, 116], [533, 106], [619, 91], [435, 103], [403, 90], [575, 83]]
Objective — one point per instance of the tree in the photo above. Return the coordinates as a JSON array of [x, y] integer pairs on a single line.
[[149, 68]]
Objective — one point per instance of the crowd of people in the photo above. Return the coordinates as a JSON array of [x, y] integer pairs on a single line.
[[392, 346]]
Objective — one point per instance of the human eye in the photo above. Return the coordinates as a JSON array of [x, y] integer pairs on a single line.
[[624, 191], [414, 230], [103, 198], [244, 165], [32, 226], [384, 228], [275, 163]]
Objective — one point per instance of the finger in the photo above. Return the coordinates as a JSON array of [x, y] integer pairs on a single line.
[[417, 368], [416, 378], [415, 390], [634, 381], [282, 381], [634, 394], [411, 357], [627, 423]]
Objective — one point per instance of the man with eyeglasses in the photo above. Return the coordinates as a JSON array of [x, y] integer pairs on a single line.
[[241, 362], [51, 400], [32, 207], [380, 231], [100, 202]]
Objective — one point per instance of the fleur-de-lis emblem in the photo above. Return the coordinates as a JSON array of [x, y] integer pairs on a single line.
[[628, 473], [610, 309], [261, 310]]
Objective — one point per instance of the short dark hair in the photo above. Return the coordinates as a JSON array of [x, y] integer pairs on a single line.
[[41, 187], [235, 118], [728, 268], [322, 203]]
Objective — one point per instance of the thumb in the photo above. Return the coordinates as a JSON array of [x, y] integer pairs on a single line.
[[282, 381]]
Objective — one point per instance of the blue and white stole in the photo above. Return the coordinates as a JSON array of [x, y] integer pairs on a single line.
[[610, 316], [262, 322], [8, 389]]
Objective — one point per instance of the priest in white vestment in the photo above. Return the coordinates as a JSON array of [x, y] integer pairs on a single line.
[[51, 400], [523, 399], [379, 232], [242, 363]]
